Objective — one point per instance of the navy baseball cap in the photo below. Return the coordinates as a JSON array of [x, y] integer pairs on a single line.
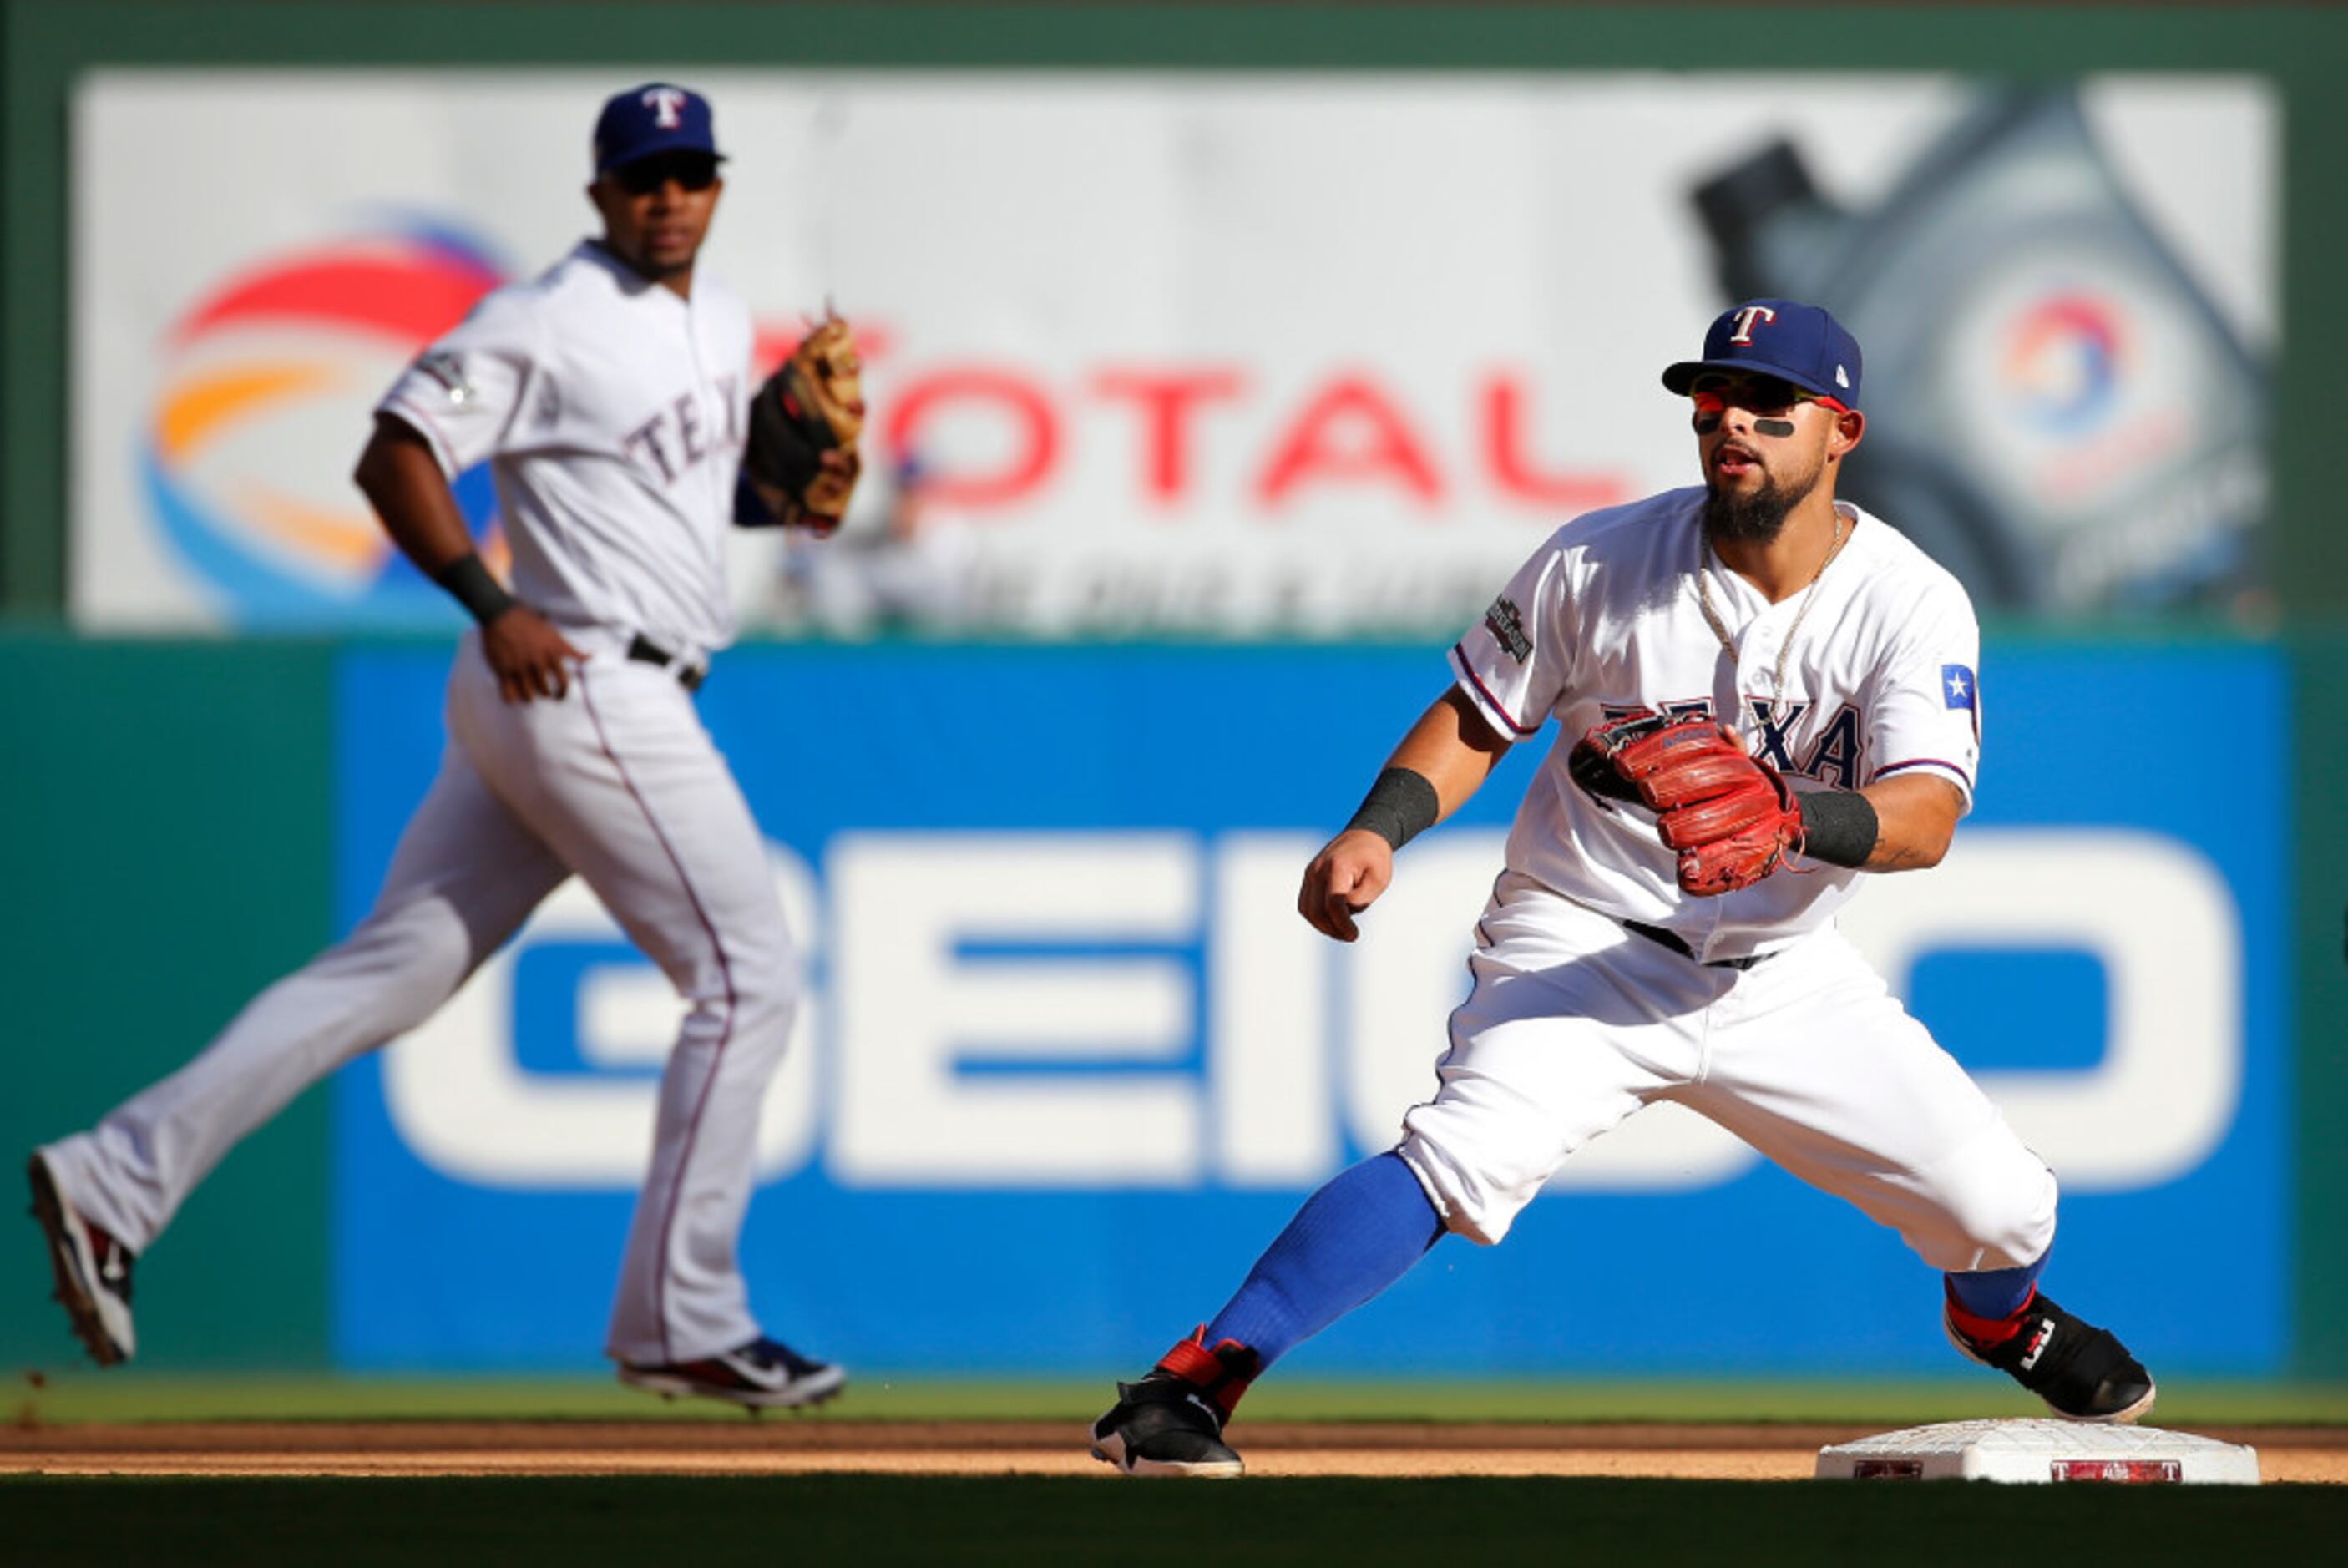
[[656, 118], [1778, 338]]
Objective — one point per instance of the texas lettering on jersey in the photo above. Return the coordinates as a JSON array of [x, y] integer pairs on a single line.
[[677, 437], [1776, 735]]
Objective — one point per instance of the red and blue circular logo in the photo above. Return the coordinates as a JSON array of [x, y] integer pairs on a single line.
[[2063, 363], [263, 411]]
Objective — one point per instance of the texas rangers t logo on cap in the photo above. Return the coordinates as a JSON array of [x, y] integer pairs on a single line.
[[664, 103], [1746, 317]]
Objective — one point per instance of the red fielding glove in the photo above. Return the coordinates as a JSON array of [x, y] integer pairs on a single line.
[[1732, 818]]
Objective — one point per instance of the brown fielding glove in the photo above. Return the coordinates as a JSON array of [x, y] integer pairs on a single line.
[[1732, 819], [814, 404]]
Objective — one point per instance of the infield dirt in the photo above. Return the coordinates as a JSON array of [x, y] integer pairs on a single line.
[[779, 1445]]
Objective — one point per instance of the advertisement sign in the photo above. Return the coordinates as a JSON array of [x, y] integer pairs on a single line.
[[1300, 355], [1070, 1058]]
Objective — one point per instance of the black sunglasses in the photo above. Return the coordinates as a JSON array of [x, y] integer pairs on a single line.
[[691, 170], [1766, 393]]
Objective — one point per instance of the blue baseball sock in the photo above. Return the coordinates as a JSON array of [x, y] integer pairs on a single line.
[[1996, 1293], [1355, 1236]]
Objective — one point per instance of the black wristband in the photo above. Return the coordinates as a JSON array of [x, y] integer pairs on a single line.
[[1399, 806], [1838, 827], [469, 583]]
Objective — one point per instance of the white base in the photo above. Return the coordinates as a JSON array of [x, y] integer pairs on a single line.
[[2040, 1450]]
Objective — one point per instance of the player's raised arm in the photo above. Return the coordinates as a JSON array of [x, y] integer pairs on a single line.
[[1447, 756], [403, 483]]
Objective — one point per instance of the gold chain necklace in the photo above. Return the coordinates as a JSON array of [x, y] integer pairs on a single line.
[[1843, 531]]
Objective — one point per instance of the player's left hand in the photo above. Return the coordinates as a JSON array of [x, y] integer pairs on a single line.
[[840, 467], [1731, 816], [1344, 878], [804, 425]]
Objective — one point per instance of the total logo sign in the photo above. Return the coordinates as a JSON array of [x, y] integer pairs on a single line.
[[1144, 1010], [245, 459], [243, 456], [1347, 434]]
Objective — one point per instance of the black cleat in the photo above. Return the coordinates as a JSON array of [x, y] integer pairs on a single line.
[[1172, 1422], [2083, 1373], [92, 1270], [763, 1375], [1163, 1427]]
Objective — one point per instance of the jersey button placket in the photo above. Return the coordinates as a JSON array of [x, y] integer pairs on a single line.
[[1757, 655], [1757, 650], [721, 492]]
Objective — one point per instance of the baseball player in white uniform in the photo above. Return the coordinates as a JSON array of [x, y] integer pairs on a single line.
[[609, 395], [1761, 693]]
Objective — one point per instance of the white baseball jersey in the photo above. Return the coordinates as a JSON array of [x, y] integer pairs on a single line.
[[613, 415], [1879, 656], [1772, 1024], [612, 412]]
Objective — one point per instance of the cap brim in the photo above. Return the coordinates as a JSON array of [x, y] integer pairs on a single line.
[[660, 148], [1680, 377]]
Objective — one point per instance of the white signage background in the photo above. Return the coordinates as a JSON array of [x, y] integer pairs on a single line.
[[1258, 353]]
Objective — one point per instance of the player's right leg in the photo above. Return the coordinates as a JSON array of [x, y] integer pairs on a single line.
[[626, 785], [1544, 1057], [465, 875], [1351, 1240]]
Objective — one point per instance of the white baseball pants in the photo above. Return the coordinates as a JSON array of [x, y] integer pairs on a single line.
[[1575, 1024], [620, 783]]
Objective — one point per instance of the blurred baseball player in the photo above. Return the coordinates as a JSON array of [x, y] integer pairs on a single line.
[[1761, 691], [612, 398]]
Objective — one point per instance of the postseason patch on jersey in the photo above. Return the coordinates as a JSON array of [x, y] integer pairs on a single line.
[[1957, 686], [449, 370], [1506, 624]]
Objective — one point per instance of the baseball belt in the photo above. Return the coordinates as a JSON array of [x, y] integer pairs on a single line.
[[1662, 938], [644, 651]]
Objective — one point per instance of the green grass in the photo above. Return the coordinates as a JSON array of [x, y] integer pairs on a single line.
[[1026, 1520], [1357, 1523], [137, 1396]]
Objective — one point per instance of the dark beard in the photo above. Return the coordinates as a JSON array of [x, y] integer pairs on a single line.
[[1747, 519]]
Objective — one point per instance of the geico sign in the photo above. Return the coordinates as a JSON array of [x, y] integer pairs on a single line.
[[1145, 1010], [1347, 428]]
